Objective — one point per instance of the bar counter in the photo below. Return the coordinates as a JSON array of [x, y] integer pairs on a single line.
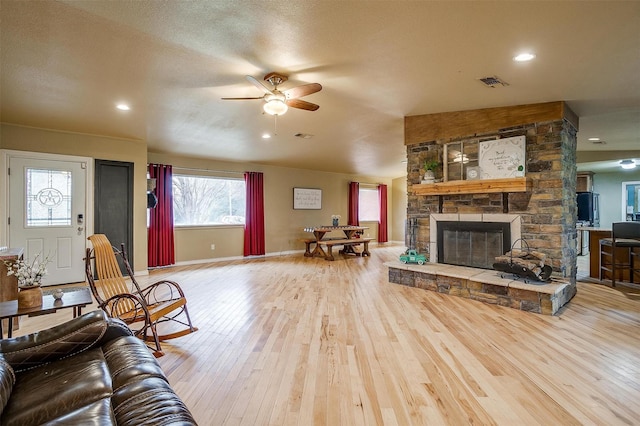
[[595, 235]]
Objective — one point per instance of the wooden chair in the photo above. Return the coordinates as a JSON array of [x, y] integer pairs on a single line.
[[625, 238], [161, 302]]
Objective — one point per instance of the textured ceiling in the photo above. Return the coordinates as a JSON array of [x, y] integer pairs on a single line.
[[65, 64]]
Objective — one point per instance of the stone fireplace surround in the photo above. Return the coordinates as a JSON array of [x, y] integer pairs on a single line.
[[545, 211]]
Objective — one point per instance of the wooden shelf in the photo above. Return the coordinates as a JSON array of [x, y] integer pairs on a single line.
[[482, 186]]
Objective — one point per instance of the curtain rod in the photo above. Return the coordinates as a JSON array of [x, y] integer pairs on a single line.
[[193, 169]]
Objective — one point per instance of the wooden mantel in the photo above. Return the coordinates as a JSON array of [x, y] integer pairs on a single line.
[[482, 186]]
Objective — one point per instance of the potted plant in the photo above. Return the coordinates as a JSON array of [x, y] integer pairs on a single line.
[[29, 277], [429, 167]]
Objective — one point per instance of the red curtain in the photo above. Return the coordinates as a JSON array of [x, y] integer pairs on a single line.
[[354, 197], [160, 237], [382, 225], [254, 215]]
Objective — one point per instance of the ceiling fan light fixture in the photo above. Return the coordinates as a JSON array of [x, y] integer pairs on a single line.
[[628, 164], [275, 107], [460, 158], [524, 57]]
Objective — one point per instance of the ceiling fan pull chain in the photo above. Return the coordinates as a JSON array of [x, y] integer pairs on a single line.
[[275, 125]]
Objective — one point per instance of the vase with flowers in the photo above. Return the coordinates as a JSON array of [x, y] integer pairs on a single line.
[[335, 219], [29, 276]]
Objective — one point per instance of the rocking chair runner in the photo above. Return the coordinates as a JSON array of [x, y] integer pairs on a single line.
[[160, 302]]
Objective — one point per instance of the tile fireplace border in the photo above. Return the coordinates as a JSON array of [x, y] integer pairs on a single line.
[[434, 218]]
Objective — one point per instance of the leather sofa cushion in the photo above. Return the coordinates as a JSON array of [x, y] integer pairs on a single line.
[[152, 402], [70, 385], [7, 379], [98, 413]]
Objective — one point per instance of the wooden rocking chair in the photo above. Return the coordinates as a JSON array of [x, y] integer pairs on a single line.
[[122, 298]]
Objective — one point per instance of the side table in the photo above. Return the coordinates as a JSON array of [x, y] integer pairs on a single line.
[[74, 297]]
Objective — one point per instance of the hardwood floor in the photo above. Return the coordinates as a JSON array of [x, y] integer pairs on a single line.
[[298, 341]]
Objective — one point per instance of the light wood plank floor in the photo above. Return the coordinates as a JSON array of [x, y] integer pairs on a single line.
[[295, 341]]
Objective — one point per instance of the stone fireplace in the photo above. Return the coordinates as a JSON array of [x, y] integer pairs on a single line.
[[539, 207], [471, 239]]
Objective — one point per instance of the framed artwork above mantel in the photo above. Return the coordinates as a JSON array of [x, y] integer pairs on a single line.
[[502, 158]]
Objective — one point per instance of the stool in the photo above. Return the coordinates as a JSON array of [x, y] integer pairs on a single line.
[[625, 235]]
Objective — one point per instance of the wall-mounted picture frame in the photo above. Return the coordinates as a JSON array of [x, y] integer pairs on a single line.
[[307, 199]]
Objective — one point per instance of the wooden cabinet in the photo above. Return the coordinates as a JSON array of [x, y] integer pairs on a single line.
[[9, 283], [584, 182]]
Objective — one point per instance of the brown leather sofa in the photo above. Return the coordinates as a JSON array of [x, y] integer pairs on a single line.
[[87, 371]]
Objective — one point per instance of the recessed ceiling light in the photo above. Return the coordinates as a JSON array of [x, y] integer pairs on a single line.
[[593, 139], [524, 57], [628, 164], [266, 136], [123, 107]]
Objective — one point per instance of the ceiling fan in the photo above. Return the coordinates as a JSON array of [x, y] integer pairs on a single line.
[[278, 102]]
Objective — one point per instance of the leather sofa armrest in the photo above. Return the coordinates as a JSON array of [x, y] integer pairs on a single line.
[[67, 339], [115, 328]]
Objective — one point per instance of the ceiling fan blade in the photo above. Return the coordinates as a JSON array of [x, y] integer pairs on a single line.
[[299, 103], [259, 85], [304, 90], [239, 99]]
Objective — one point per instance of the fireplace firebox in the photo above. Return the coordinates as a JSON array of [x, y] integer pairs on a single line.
[[474, 244]]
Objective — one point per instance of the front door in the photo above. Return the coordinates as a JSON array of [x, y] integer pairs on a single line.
[[47, 213]]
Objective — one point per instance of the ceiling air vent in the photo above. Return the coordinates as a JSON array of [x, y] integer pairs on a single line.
[[493, 81], [599, 142], [303, 135]]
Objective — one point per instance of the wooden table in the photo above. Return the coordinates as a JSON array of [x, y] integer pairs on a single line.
[[350, 232], [74, 297]]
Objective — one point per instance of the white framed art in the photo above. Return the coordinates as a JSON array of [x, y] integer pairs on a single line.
[[502, 158], [307, 199]]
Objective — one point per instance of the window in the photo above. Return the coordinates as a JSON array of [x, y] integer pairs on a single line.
[[459, 157], [369, 207], [48, 197], [204, 200]]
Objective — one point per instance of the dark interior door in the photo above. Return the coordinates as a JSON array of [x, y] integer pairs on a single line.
[[114, 204]]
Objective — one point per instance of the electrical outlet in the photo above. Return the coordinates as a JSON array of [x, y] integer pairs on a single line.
[[213, 246]]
